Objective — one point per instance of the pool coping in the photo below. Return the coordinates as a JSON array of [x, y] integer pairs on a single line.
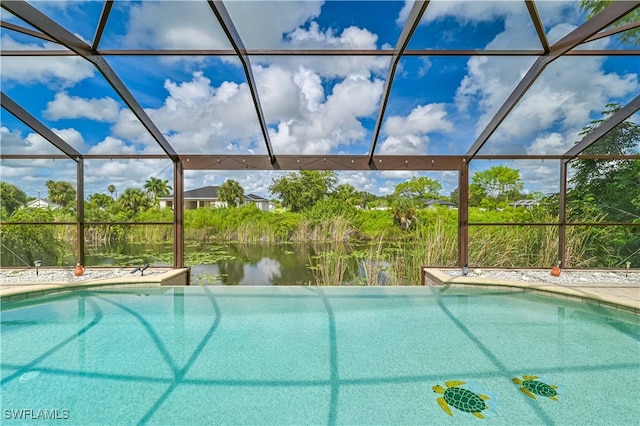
[[576, 293], [34, 290]]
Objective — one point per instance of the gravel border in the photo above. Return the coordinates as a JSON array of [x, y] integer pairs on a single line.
[[583, 278], [21, 276]]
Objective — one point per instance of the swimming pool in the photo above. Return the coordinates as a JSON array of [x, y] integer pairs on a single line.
[[311, 355]]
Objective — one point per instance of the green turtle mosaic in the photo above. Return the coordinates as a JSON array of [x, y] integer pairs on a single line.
[[473, 402], [531, 386], [460, 398]]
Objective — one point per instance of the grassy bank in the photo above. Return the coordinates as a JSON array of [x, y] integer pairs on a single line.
[[431, 240]]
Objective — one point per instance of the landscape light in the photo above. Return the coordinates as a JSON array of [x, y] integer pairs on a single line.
[[465, 270], [38, 263], [141, 269]]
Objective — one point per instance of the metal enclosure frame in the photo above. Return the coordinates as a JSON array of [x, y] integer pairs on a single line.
[[47, 29]]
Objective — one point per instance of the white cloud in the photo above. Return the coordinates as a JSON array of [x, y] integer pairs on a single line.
[[342, 66], [72, 137], [128, 127], [13, 142], [541, 176], [570, 91], [198, 117], [410, 134], [307, 112], [566, 95], [398, 174], [554, 13], [404, 12], [332, 123], [261, 24], [314, 38], [64, 106], [559, 97], [203, 118], [470, 11], [174, 25], [55, 71], [111, 145]]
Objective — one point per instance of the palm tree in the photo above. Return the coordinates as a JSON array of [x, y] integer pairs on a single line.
[[61, 192], [112, 189], [133, 200], [157, 188]]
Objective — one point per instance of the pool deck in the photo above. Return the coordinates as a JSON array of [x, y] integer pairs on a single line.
[[11, 292], [621, 296]]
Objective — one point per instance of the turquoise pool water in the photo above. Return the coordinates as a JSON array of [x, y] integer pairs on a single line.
[[307, 355]]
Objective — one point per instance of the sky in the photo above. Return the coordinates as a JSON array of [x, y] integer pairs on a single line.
[[312, 105]]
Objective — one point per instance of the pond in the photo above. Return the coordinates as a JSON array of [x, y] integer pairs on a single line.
[[259, 264]]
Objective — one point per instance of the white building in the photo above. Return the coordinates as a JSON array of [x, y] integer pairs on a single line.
[[207, 196], [42, 203]]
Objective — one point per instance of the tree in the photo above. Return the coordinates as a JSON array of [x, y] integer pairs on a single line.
[[61, 192], [404, 213], [608, 190], [31, 242], [11, 197], [418, 189], [367, 198], [454, 196], [100, 200], [632, 36], [497, 184], [347, 193], [157, 188], [608, 187], [133, 200], [112, 188], [231, 193], [301, 190]]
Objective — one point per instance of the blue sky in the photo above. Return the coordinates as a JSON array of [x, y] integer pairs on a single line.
[[313, 105]]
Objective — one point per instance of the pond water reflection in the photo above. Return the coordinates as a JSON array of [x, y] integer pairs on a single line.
[[255, 264]]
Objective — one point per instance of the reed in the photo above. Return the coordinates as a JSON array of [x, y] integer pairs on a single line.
[[435, 244], [329, 267]]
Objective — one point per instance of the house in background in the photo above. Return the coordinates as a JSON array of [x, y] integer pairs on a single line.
[[432, 204], [207, 196], [527, 204], [262, 203], [42, 203]]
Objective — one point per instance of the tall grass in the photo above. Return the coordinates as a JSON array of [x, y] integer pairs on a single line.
[[435, 244], [396, 252], [329, 267]]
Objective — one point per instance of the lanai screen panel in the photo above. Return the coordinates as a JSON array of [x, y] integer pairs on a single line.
[[439, 105], [569, 94], [310, 25], [320, 105], [163, 25], [201, 104], [475, 25], [79, 17]]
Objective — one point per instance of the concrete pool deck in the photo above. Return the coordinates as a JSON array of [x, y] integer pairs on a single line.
[[22, 290], [621, 295]]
